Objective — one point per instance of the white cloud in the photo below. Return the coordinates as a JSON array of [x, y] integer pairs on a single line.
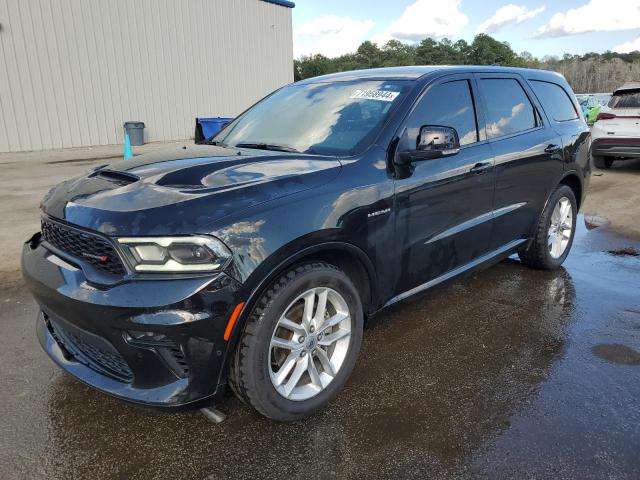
[[628, 47], [426, 18], [330, 35], [595, 16], [508, 14]]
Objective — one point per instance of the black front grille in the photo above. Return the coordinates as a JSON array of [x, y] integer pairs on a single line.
[[90, 248], [94, 353]]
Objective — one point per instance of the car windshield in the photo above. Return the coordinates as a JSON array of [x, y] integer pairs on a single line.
[[339, 118], [625, 99]]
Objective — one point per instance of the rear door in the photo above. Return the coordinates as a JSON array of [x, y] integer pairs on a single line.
[[443, 205], [528, 155]]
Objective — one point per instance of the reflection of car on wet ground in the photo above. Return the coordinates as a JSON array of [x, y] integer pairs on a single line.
[[254, 259], [616, 133]]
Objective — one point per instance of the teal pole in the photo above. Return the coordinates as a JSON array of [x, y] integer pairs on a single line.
[[128, 151]]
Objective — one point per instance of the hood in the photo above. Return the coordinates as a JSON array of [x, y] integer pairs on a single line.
[[178, 191]]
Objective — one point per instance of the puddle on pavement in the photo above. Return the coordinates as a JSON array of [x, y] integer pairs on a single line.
[[498, 374]]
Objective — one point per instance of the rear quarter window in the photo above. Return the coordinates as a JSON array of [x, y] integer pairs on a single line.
[[555, 100]]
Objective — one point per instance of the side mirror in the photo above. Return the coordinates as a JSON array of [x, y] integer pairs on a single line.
[[433, 141]]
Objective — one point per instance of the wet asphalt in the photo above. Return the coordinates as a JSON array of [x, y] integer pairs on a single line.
[[507, 373]]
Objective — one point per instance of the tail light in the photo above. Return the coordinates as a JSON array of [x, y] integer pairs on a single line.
[[605, 116]]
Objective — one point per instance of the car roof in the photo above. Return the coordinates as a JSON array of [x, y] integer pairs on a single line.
[[417, 71]]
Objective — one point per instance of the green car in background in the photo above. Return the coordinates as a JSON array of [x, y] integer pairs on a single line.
[[591, 104]]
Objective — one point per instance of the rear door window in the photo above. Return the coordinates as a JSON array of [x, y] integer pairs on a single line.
[[509, 110], [555, 100]]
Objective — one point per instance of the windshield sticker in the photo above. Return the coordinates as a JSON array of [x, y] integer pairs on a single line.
[[383, 95]]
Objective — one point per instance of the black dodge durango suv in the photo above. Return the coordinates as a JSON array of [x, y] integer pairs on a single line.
[[255, 259]]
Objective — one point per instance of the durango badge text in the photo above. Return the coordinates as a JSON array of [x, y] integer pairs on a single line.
[[379, 212], [252, 261]]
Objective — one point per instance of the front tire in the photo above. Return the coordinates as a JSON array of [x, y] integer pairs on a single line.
[[602, 162], [300, 343], [554, 233]]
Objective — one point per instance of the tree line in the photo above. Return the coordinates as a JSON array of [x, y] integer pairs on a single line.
[[589, 73]]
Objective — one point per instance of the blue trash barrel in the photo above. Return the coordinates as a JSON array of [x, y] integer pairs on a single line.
[[207, 127]]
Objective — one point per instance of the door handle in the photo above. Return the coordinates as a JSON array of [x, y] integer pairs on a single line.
[[481, 167], [552, 148]]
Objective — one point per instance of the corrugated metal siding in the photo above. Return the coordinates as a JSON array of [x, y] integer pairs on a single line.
[[72, 71]]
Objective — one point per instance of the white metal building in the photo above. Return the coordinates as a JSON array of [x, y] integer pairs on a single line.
[[72, 71]]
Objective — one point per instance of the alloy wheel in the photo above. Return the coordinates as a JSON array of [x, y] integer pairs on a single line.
[[309, 343], [560, 227]]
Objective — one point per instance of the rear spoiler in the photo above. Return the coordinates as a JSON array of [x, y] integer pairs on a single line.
[[627, 90]]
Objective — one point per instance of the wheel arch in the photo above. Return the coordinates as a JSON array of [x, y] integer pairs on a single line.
[[572, 180], [346, 256]]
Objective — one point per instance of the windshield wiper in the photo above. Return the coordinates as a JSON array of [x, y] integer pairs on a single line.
[[267, 146]]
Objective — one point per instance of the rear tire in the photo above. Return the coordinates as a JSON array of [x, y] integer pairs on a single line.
[[554, 233], [602, 162], [289, 366]]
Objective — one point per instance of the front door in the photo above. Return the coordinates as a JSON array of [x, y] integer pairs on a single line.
[[443, 206]]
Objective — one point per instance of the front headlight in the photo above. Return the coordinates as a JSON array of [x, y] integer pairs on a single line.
[[175, 254]]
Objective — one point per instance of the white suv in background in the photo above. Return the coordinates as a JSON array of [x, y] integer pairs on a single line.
[[616, 133]]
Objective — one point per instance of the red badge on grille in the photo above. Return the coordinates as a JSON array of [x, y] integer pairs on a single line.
[[102, 258]]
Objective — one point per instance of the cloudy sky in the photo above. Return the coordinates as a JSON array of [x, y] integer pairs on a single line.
[[551, 27]]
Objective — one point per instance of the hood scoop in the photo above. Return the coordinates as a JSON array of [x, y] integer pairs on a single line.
[[119, 178]]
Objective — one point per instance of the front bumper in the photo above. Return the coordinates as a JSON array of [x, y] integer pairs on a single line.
[[94, 332], [616, 147]]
